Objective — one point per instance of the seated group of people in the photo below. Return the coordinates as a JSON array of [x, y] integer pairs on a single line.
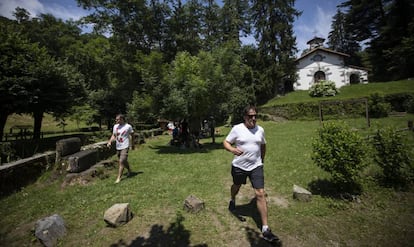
[[182, 136]]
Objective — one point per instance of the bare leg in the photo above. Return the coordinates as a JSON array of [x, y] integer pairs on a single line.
[[261, 205], [120, 171], [123, 163], [234, 190]]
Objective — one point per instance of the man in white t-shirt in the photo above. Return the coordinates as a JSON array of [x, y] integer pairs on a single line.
[[248, 144], [123, 134]]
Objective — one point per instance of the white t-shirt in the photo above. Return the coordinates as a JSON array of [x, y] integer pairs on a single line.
[[250, 141], [122, 133]]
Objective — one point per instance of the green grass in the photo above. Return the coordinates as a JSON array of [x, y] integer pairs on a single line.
[[49, 123], [348, 92], [167, 175]]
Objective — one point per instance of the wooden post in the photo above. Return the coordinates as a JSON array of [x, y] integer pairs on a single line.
[[367, 113]]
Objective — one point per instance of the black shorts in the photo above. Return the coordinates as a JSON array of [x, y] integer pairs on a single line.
[[256, 176]]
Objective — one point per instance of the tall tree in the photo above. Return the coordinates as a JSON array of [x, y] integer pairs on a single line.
[[235, 20], [211, 28], [273, 24], [340, 39], [185, 26], [386, 26]]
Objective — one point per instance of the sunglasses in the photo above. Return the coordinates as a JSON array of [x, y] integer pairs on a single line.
[[252, 115]]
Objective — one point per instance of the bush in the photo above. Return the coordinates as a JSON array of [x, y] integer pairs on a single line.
[[323, 89], [341, 152], [392, 155], [399, 102], [378, 108]]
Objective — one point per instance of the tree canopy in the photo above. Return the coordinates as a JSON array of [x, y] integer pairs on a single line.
[[182, 59]]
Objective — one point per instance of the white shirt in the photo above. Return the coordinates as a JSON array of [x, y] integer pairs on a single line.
[[122, 133], [249, 141]]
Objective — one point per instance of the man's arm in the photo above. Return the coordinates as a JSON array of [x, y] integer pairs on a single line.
[[234, 150], [132, 141], [263, 152], [111, 139]]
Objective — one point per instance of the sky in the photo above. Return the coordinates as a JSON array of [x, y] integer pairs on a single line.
[[315, 20]]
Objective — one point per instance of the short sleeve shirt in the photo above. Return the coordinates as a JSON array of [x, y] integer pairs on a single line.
[[250, 141], [122, 133]]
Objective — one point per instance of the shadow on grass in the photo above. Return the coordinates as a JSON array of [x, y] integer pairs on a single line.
[[328, 188], [256, 240], [169, 149], [175, 236], [254, 236], [134, 174]]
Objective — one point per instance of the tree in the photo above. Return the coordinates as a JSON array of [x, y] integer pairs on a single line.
[[16, 58], [55, 88], [234, 19], [340, 39], [32, 81], [211, 29], [386, 26], [273, 24]]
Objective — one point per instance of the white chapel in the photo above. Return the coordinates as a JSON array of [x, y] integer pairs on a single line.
[[320, 63]]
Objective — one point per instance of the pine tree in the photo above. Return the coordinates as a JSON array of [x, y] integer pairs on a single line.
[[273, 25], [340, 39]]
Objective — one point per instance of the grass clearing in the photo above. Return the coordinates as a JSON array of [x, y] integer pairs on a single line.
[[347, 92], [167, 175]]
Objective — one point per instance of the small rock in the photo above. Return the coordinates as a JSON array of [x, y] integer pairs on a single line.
[[301, 194], [193, 204], [117, 215]]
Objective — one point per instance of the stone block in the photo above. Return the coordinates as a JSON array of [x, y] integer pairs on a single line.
[[82, 160], [66, 147]]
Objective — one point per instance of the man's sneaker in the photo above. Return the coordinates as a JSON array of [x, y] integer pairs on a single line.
[[232, 206], [269, 236]]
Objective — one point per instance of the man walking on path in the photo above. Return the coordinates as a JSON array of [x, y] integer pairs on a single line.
[[121, 133], [248, 144]]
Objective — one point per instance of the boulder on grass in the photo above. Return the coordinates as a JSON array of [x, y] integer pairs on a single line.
[[301, 194], [48, 230], [193, 205], [117, 215]]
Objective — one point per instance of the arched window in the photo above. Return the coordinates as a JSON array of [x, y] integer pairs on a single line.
[[319, 76], [354, 79]]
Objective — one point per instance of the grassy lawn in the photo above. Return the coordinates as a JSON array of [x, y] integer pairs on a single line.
[[167, 175], [49, 123], [348, 92]]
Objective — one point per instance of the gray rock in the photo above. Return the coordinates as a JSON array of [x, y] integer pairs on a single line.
[[301, 194], [193, 204], [48, 230], [117, 215]]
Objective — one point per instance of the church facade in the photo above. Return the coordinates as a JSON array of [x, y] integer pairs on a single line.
[[320, 63]]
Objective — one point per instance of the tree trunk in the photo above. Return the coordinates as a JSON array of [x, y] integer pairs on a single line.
[[38, 118]]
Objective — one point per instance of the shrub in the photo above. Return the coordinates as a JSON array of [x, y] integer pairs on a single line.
[[399, 101], [323, 89], [409, 105], [392, 155], [341, 152], [378, 108]]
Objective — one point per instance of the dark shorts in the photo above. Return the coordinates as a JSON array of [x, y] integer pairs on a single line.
[[256, 176], [122, 155]]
